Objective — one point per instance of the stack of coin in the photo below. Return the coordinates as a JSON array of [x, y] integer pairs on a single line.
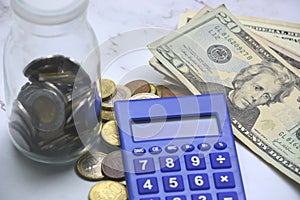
[[55, 111], [98, 166], [104, 168]]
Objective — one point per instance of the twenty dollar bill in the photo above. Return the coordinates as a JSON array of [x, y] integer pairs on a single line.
[[216, 53]]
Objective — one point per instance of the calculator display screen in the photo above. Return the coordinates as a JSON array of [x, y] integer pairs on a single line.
[[179, 127]]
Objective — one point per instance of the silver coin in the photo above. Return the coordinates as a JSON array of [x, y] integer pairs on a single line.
[[19, 138], [47, 110], [144, 96], [49, 64], [81, 116], [63, 77], [59, 142], [20, 114]]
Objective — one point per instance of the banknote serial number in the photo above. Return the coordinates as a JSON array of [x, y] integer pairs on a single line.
[[293, 142], [236, 45]]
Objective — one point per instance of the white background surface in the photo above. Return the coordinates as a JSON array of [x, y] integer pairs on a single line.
[[21, 178]]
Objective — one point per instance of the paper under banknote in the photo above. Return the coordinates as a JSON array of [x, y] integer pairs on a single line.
[[213, 54]]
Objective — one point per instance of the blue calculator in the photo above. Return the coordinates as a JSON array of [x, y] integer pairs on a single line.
[[179, 148]]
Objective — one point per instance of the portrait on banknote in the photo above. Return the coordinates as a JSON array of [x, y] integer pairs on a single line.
[[256, 85]]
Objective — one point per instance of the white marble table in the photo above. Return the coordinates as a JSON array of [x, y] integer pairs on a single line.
[[21, 178]]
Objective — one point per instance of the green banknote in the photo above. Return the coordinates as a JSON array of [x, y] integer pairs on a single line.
[[282, 37], [217, 54]]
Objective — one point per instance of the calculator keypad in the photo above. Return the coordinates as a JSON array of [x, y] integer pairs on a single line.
[[195, 163]]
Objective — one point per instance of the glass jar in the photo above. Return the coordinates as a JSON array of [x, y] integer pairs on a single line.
[[51, 80]]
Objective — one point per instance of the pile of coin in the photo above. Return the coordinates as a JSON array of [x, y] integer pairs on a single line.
[[108, 169], [55, 111], [136, 89], [106, 165]]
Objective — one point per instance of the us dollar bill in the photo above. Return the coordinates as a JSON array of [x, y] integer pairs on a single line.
[[281, 36], [217, 54]]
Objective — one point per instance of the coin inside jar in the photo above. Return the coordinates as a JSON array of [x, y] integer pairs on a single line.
[[50, 64], [55, 111], [47, 110], [16, 133]]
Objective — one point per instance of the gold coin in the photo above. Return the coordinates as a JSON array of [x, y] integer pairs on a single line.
[[138, 86], [89, 166], [144, 96], [107, 115], [110, 133], [108, 190], [159, 89], [152, 88], [123, 93], [108, 88]]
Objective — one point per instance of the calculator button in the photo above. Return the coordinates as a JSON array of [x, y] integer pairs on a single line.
[[139, 151], [227, 196], [147, 185], [204, 146], [220, 160], [224, 180], [187, 147], [169, 163], [180, 197], [173, 183], [144, 165], [198, 181], [155, 150], [201, 197], [220, 145], [151, 198], [194, 162], [171, 148]]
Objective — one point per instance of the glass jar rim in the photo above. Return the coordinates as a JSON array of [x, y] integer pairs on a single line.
[[48, 12]]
